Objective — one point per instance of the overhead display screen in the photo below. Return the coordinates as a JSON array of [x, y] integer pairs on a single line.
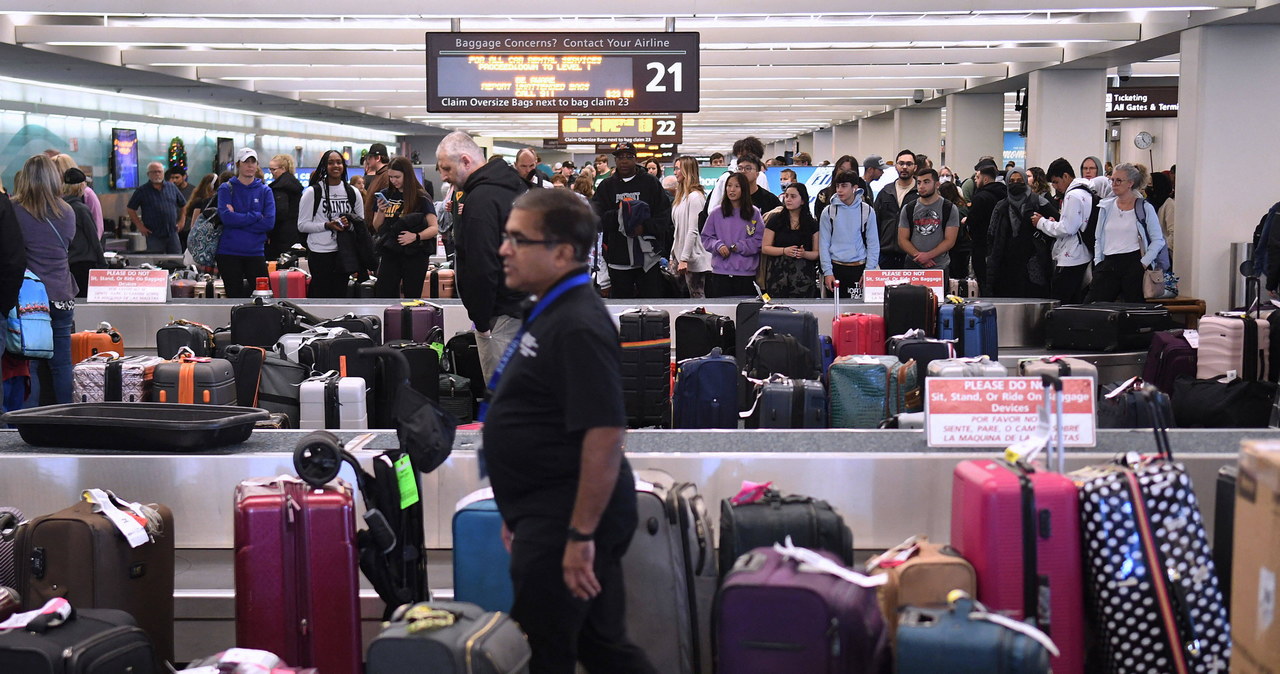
[[562, 72], [595, 128]]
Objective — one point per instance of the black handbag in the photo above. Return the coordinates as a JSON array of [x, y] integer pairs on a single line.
[[1121, 406]]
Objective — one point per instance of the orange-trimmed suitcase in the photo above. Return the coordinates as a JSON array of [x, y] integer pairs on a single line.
[[92, 342]]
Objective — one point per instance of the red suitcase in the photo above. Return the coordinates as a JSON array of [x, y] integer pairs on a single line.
[[289, 283], [857, 334], [1017, 521], [297, 578]]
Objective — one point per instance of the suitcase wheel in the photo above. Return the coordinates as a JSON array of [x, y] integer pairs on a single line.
[[318, 458]]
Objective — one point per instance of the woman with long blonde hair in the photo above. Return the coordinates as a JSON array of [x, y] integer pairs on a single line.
[[688, 258], [64, 162], [48, 227]]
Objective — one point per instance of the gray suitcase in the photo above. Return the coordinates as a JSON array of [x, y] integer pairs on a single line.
[[476, 643], [1058, 366], [792, 403], [279, 387], [981, 366], [10, 518]]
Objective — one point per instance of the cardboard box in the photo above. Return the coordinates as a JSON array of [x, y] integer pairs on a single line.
[[1255, 630]]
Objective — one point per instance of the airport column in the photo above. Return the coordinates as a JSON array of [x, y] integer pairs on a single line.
[[875, 136], [806, 143], [919, 130], [1067, 116], [975, 128], [1226, 120], [845, 141], [822, 140]]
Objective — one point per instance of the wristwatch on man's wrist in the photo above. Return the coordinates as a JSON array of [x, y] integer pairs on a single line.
[[576, 536]]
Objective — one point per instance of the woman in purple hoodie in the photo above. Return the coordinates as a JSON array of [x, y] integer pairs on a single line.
[[733, 234]]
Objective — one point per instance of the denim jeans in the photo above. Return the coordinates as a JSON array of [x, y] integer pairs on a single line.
[[51, 378], [168, 244]]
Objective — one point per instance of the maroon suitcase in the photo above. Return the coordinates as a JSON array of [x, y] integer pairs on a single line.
[[297, 579], [412, 320]]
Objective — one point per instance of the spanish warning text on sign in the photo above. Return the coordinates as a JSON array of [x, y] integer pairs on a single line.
[[999, 411]]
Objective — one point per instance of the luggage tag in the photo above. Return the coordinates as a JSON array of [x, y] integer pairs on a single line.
[[895, 556], [751, 492], [129, 518], [1027, 450], [812, 562], [58, 609], [1125, 387]]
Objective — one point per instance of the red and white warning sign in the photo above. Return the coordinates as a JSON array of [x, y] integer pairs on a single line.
[[999, 411], [874, 281], [143, 286]]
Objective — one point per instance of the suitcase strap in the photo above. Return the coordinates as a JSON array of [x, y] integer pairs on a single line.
[[331, 417], [186, 382], [1250, 369], [797, 403], [113, 384]]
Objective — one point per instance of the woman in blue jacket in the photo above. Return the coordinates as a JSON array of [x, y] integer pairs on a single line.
[[247, 210], [1128, 240]]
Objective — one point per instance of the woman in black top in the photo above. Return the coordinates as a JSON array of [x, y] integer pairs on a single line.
[[85, 252], [406, 228], [791, 245]]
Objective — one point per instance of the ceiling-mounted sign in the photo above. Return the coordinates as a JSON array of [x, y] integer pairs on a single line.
[[554, 144], [562, 72], [594, 128], [1142, 102], [663, 152]]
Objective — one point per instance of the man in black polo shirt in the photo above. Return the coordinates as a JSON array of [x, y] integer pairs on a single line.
[[553, 446]]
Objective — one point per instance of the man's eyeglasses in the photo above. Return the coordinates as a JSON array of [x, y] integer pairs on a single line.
[[517, 241]]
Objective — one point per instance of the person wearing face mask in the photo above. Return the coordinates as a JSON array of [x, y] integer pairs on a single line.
[[987, 193], [1129, 239], [790, 246], [786, 177], [946, 175], [1019, 257]]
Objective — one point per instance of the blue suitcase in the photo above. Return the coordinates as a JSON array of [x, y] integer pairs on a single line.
[[706, 392], [792, 403], [480, 562], [973, 326], [802, 325], [957, 641]]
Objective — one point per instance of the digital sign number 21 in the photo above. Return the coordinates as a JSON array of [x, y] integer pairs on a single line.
[[661, 71]]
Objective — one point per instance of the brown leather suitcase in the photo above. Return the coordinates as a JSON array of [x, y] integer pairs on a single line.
[[921, 574], [80, 555]]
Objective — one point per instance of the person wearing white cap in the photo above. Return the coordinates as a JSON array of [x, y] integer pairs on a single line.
[[247, 209]]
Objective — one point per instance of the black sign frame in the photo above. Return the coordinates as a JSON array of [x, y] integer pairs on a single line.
[[662, 128], [659, 69]]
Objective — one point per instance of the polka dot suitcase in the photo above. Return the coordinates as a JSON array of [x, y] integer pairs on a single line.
[[1152, 585]]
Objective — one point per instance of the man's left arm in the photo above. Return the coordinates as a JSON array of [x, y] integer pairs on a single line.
[[601, 460]]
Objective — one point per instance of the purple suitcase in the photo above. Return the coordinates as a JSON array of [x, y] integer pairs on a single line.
[[772, 617], [411, 320]]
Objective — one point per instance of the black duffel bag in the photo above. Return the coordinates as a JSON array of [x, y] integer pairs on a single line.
[[810, 522], [1217, 403], [1126, 409]]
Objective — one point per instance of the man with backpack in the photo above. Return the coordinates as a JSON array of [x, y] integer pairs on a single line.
[[1073, 232], [848, 237]]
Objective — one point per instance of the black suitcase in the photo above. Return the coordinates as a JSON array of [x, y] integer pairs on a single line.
[[462, 357], [645, 338], [920, 348], [262, 323], [353, 322], [802, 325], [910, 307], [771, 353], [792, 403], [180, 333], [747, 321], [92, 641], [1105, 326], [1224, 526], [278, 387], [811, 523], [472, 640], [246, 364], [340, 353], [699, 331], [456, 398], [424, 377]]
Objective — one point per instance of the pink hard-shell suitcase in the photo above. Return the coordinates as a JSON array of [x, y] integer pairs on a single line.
[[1019, 525], [297, 577]]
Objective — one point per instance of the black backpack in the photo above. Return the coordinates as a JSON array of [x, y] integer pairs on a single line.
[[1089, 235], [771, 352]]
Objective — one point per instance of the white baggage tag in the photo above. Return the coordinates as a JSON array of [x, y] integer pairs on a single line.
[[250, 656], [811, 561], [134, 532], [1029, 448], [56, 605], [201, 670], [1192, 337], [1232, 375]]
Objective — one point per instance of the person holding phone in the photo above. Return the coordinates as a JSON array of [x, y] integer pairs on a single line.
[[405, 222], [323, 212]]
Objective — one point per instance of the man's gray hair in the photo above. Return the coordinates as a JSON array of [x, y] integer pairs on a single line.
[[459, 144]]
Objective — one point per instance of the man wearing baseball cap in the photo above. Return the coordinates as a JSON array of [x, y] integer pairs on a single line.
[[375, 170], [635, 216]]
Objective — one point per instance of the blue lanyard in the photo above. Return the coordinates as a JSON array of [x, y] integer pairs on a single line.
[[544, 302]]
